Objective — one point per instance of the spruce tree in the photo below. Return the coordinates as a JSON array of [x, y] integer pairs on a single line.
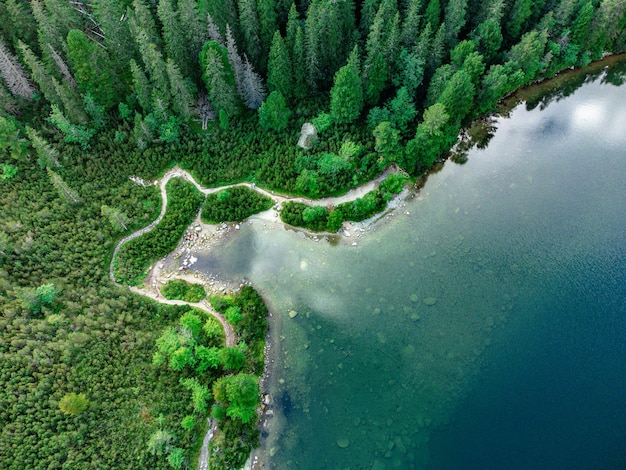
[[13, 74], [141, 86], [182, 92], [280, 71], [266, 13], [92, 69], [117, 38], [274, 113], [22, 22], [250, 30], [346, 95], [328, 37], [174, 38], [38, 72], [455, 18], [219, 78]]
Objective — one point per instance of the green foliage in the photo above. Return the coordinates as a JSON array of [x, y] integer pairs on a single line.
[[232, 358], [233, 314], [293, 214], [280, 70], [11, 140], [346, 96], [138, 254], [335, 220], [233, 204], [73, 134], [74, 403], [160, 443], [332, 165], [89, 62], [219, 78], [387, 144], [322, 122], [8, 171], [118, 219], [200, 394], [274, 113], [176, 458], [188, 422], [240, 394], [34, 300], [182, 290]]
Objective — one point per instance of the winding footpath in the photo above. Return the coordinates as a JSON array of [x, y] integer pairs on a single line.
[[154, 294]]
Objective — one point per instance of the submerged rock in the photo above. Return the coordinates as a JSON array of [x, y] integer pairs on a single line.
[[343, 442], [293, 314], [430, 301]]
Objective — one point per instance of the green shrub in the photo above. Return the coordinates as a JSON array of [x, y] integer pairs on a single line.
[[178, 289], [234, 204], [138, 254]]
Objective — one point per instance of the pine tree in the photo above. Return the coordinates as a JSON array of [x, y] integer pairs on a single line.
[[219, 79], [274, 113], [47, 156], [47, 31], [117, 38], [346, 95], [254, 90], [250, 29], [458, 95], [70, 100], [213, 31], [222, 13], [140, 19], [38, 72], [368, 13], [22, 22], [154, 62], [581, 27], [182, 92], [411, 24], [328, 37], [489, 39], [518, 17], [280, 71], [383, 39], [195, 31], [432, 15], [91, 68], [235, 61], [8, 105], [141, 86], [73, 134], [62, 188], [293, 23], [455, 18], [299, 65], [173, 37], [62, 66], [266, 14], [14, 76]]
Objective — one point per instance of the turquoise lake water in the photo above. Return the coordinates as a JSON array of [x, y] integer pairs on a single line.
[[482, 325]]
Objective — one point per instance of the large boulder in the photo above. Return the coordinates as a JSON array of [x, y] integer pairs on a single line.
[[308, 136]]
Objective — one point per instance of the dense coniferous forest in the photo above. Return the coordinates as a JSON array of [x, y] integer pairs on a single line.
[[95, 91]]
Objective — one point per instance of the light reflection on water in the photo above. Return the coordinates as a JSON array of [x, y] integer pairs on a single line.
[[405, 337]]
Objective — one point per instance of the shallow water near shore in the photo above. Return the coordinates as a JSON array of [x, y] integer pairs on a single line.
[[482, 325]]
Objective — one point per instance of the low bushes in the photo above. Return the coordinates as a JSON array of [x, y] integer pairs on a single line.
[[138, 254], [319, 218], [233, 204], [177, 289]]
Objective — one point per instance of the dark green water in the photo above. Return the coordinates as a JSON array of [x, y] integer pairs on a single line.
[[482, 326]]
